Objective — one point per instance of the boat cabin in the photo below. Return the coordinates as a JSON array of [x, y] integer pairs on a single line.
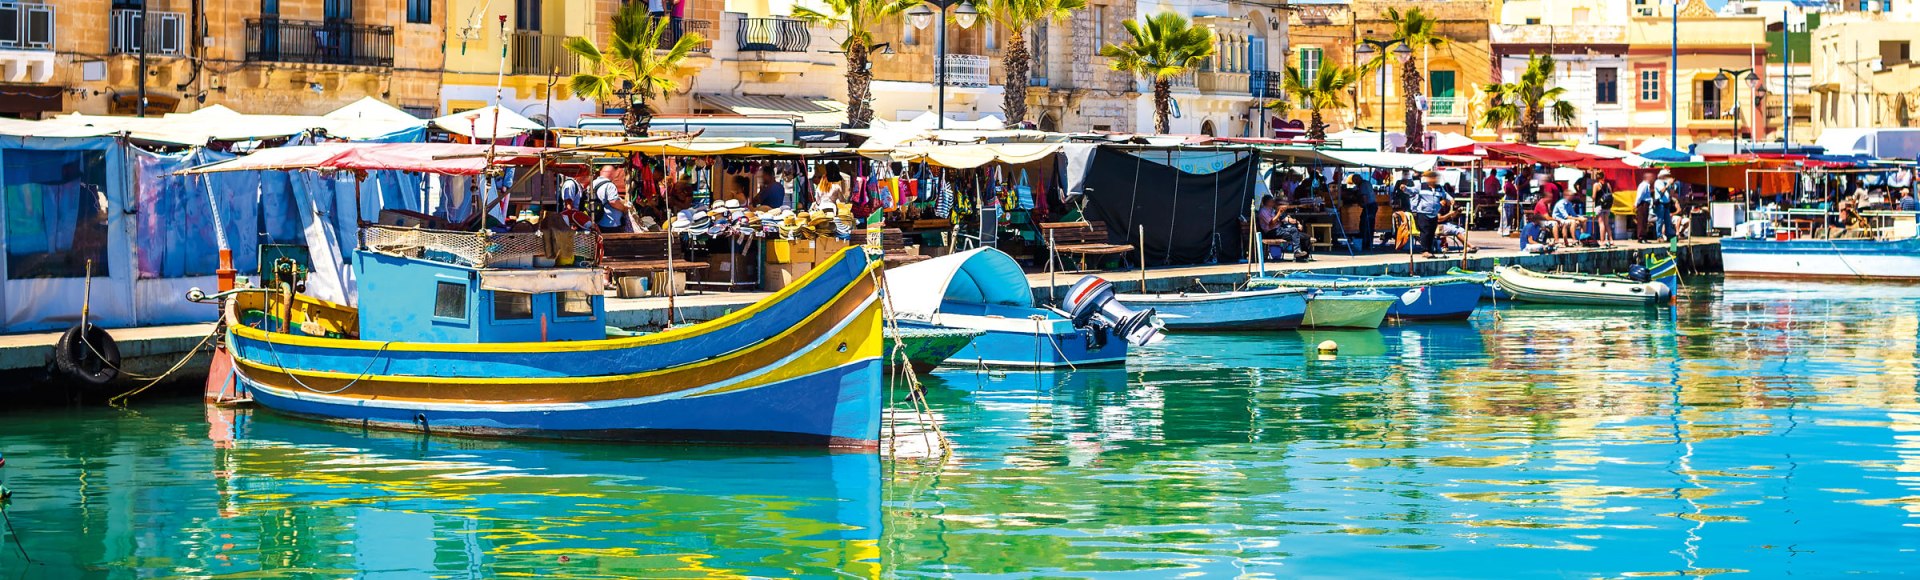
[[425, 296]]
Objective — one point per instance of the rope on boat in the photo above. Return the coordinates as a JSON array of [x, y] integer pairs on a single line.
[[903, 367], [118, 400], [1039, 330], [277, 363]]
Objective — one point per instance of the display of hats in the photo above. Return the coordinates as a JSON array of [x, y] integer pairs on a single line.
[[731, 204]]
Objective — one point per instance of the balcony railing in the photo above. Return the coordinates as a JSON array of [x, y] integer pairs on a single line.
[[1713, 111], [678, 27], [1444, 107], [535, 53], [26, 26], [1221, 82], [164, 35], [968, 70], [1185, 81], [773, 35], [1266, 84], [333, 42]]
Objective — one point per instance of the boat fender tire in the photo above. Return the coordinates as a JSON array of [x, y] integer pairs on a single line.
[[95, 365]]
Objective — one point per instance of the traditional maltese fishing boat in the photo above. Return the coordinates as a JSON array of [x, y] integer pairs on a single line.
[[450, 336]]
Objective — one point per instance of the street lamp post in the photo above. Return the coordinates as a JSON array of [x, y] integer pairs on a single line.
[[1720, 83], [921, 17], [1403, 53]]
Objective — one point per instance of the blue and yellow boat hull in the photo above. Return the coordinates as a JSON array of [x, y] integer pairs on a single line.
[[801, 367]]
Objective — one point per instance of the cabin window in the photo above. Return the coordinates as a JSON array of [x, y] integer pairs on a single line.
[[575, 304], [512, 305], [450, 300]]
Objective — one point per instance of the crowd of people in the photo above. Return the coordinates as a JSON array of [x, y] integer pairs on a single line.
[[1430, 216]]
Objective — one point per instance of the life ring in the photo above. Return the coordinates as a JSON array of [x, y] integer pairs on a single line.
[[97, 364]]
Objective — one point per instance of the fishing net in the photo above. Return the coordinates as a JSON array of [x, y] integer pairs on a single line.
[[475, 249]]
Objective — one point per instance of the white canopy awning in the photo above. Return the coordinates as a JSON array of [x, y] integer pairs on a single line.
[[1357, 158], [969, 156], [978, 276], [489, 122], [372, 109]]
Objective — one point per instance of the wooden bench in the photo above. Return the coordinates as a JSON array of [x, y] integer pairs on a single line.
[[894, 242], [1082, 239], [636, 254]]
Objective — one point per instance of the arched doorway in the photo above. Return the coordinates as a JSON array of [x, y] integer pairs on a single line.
[[1206, 128], [1048, 123]]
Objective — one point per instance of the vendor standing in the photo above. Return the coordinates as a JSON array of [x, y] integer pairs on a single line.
[[1427, 203], [1359, 189]]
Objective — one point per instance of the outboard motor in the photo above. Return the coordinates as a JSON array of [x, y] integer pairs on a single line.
[[1091, 305]]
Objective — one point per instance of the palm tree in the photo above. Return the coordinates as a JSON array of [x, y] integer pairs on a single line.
[[1418, 30], [858, 18], [1163, 48], [1327, 89], [1019, 16], [634, 57], [1528, 101]]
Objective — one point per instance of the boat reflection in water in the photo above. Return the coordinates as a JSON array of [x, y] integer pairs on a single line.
[[402, 502]]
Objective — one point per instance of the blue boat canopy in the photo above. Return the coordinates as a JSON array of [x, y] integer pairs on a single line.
[[979, 276]]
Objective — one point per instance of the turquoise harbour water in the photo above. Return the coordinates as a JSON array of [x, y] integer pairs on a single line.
[[1761, 429]]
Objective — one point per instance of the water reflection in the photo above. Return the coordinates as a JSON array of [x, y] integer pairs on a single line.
[[1763, 429], [303, 497]]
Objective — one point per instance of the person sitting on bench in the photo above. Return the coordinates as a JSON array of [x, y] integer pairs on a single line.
[[1277, 222]]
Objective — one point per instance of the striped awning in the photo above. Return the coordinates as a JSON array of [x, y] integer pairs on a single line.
[[809, 112]]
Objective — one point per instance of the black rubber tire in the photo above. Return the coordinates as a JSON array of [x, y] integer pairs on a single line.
[[73, 358]]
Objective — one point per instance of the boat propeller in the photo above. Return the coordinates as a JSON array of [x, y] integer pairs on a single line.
[[1090, 303]]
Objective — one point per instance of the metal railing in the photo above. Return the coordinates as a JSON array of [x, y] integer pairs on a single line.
[[968, 70], [1444, 106], [27, 26], [334, 42], [536, 53], [1267, 84], [1714, 110], [679, 27], [773, 35], [165, 32]]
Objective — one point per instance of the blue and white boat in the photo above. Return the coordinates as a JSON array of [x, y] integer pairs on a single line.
[[1270, 309], [1416, 297], [1855, 259], [984, 289]]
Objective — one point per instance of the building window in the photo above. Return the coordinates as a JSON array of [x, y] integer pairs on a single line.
[[450, 300], [1310, 63], [1606, 86], [420, 11], [575, 304], [1257, 53], [1099, 28], [909, 35], [1533, 21], [512, 305], [526, 15], [1650, 85]]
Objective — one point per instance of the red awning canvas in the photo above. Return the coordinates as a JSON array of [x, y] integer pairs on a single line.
[[441, 158], [1516, 153]]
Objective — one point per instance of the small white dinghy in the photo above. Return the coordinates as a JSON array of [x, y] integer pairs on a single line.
[[1530, 286]]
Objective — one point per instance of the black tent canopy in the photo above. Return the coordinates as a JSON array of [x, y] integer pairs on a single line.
[[1189, 218]]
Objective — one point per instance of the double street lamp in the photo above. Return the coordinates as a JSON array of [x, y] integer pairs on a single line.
[[1403, 53], [1720, 83], [921, 17]]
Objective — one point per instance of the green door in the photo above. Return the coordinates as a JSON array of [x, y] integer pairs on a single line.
[[1440, 93]]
